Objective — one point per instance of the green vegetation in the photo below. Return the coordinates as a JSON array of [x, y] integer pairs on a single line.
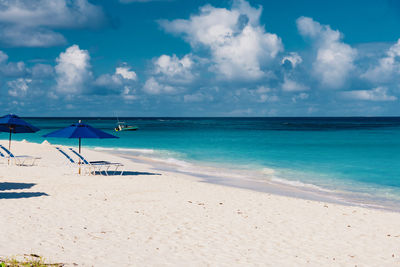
[[31, 260]]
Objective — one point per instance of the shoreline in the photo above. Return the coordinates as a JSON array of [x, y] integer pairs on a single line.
[[241, 178], [151, 217], [237, 178]]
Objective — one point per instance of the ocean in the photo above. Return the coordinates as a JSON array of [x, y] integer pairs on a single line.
[[357, 159]]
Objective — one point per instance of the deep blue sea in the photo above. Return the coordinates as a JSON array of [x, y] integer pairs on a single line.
[[344, 154]]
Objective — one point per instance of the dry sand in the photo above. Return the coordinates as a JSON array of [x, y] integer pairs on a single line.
[[152, 218]]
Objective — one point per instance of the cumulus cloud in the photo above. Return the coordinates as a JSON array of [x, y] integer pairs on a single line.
[[377, 94], [126, 73], [334, 59], [30, 37], [11, 69], [152, 86], [293, 86], [261, 94], [121, 82], [122, 76], [267, 98], [32, 23], [129, 93], [169, 74], [173, 69], [293, 59], [387, 67], [238, 44], [73, 70], [301, 96], [3, 57], [18, 87], [73, 76], [109, 81]]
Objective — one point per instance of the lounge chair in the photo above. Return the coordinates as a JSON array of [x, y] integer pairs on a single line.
[[85, 167], [101, 166], [2, 157], [19, 160]]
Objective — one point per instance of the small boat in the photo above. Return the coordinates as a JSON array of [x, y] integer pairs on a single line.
[[122, 126]]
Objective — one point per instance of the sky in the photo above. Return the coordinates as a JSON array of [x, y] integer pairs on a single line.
[[194, 58]]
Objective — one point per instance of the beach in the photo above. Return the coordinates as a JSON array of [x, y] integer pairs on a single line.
[[216, 133], [149, 217]]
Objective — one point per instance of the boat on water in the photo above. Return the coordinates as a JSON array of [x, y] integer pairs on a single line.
[[122, 126]]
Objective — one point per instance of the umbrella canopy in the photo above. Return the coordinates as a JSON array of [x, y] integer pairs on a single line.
[[13, 124], [80, 130]]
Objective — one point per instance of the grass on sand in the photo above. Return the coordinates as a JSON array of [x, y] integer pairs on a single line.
[[31, 260]]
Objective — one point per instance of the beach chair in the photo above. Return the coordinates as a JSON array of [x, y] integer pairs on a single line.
[[101, 166], [85, 167], [19, 160], [2, 158]]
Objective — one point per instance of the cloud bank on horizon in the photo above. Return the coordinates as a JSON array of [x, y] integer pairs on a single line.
[[235, 67]]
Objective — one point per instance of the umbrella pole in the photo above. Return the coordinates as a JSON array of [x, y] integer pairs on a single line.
[[9, 146], [79, 158]]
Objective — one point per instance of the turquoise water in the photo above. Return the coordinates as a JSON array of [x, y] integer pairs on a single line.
[[350, 154]]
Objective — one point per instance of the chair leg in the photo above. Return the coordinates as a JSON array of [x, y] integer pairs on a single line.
[[98, 169]]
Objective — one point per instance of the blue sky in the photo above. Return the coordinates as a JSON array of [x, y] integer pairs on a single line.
[[200, 58]]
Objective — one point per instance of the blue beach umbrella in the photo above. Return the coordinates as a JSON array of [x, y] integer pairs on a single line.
[[80, 130], [13, 124]]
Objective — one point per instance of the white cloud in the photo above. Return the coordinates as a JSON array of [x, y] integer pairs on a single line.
[[109, 81], [126, 73], [3, 57], [18, 87], [11, 69], [174, 68], [170, 73], [267, 98], [261, 94], [239, 45], [152, 86], [334, 59], [377, 94], [301, 96], [30, 37], [293, 86], [129, 93], [293, 58], [73, 70], [122, 76], [31, 23], [121, 82], [387, 67]]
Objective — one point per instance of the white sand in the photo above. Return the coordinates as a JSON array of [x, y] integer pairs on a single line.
[[176, 220]]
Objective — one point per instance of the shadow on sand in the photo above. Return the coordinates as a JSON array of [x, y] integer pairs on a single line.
[[18, 186], [14, 186], [125, 173], [15, 195]]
